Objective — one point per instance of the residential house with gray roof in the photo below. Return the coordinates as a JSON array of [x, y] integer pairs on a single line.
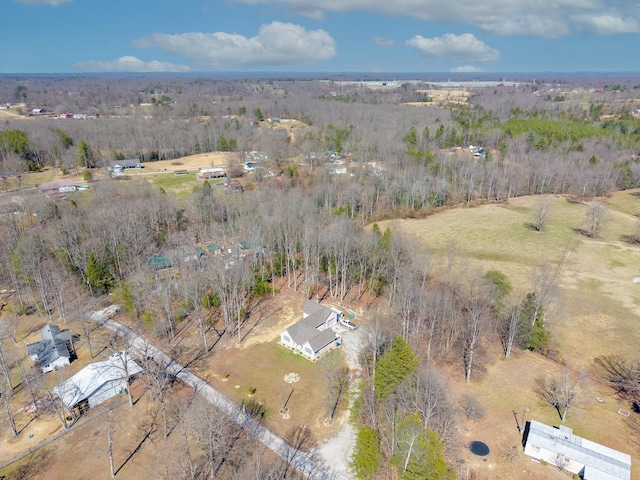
[[54, 350], [312, 336]]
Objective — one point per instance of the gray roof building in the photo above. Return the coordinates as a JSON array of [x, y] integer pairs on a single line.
[[560, 447], [313, 335], [53, 351]]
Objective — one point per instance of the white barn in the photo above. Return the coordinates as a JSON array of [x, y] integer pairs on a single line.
[[313, 335], [560, 447], [97, 382]]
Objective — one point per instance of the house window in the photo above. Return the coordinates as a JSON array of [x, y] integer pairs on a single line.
[[535, 449], [286, 339], [308, 351]]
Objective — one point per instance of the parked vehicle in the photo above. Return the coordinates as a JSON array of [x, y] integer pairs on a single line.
[[349, 324]]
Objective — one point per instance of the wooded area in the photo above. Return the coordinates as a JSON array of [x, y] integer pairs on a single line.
[[429, 316]]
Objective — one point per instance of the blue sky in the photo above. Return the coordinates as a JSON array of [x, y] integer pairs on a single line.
[[61, 36]]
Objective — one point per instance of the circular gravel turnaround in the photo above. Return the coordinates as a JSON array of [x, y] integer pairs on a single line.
[[479, 448], [291, 377]]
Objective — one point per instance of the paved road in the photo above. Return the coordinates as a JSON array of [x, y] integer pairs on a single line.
[[306, 463]]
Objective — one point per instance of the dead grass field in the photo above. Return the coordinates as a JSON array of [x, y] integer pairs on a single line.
[[191, 162], [596, 312]]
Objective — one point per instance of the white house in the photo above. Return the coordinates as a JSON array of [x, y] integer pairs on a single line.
[[53, 351], [560, 447], [313, 336], [97, 382]]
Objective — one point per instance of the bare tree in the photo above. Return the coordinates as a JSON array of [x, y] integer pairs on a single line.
[[560, 392], [511, 326], [337, 379], [476, 319], [159, 383], [5, 394], [110, 421], [594, 219], [121, 345], [543, 280], [6, 360], [541, 212]]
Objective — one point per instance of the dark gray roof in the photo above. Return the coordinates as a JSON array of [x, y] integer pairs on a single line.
[[312, 307], [315, 314], [48, 351], [301, 333], [129, 163], [49, 332], [52, 346], [322, 339]]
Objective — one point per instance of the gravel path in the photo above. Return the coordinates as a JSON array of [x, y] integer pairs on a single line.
[[337, 450], [310, 464]]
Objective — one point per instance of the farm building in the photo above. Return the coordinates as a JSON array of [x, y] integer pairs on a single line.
[[57, 185], [97, 382], [560, 447], [209, 173], [312, 336], [53, 351]]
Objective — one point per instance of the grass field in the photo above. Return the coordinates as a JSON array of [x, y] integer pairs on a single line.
[[595, 276], [596, 311], [263, 367]]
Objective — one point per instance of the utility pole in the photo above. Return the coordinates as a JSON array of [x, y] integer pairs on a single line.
[[524, 411]]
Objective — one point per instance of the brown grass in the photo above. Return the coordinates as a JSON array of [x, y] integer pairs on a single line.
[[596, 311]]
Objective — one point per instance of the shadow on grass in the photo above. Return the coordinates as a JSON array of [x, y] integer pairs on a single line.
[[36, 464], [151, 428], [532, 226], [630, 239]]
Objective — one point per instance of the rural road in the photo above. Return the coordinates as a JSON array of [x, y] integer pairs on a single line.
[[307, 463]]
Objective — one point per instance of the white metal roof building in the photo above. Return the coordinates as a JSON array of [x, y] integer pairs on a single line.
[[560, 447], [97, 382]]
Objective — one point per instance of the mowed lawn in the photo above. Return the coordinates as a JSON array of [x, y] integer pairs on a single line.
[[263, 366]]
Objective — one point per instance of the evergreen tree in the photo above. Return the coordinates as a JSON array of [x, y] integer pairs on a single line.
[[533, 335], [393, 367], [98, 276], [366, 456]]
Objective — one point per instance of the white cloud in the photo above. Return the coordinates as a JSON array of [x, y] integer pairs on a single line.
[[466, 69], [276, 44], [544, 18], [465, 46], [50, 3], [549, 26], [129, 64], [383, 42], [605, 24]]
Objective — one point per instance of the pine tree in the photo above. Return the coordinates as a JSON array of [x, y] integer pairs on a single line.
[[393, 367], [98, 276], [366, 456]]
